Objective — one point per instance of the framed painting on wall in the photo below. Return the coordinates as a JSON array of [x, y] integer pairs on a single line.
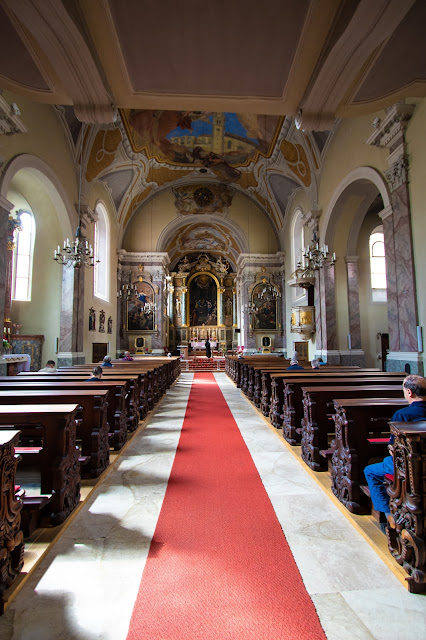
[[141, 308], [264, 314]]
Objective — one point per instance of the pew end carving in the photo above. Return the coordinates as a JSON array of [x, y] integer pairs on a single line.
[[407, 524]]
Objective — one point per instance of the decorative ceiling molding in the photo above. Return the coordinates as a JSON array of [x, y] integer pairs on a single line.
[[10, 122], [370, 26], [58, 37], [320, 57]]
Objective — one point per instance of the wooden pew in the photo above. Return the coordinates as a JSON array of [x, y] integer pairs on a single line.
[[263, 381], [60, 467], [148, 384], [81, 375], [407, 531], [91, 421], [357, 420], [288, 390], [117, 399], [317, 425], [11, 536]]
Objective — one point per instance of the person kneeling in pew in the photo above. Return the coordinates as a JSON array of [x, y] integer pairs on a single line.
[[96, 374], [49, 368], [414, 389]]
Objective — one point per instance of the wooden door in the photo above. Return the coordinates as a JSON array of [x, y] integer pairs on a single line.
[[302, 350], [99, 351]]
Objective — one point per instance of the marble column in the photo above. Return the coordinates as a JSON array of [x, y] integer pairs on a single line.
[[222, 306], [5, 208], [405, 292], [391, 281], [234, 308], [183, 306], [400, 273], [72, 323], [170, 304], [326, 313], [356, 355]]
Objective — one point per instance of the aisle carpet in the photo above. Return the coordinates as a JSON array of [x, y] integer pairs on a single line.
[[219, 566]]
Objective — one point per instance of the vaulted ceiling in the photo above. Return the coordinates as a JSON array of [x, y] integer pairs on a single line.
[[320, 59], [259, 85]]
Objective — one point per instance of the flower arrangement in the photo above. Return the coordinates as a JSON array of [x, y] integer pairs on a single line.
[[6, 343]]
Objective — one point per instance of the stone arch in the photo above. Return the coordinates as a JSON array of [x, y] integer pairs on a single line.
[[50, 184], [363, 191], [222, 225], [363, 177]]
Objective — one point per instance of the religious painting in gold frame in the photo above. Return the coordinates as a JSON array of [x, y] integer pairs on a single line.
[[203, 300], [140, 308], [264, 315]]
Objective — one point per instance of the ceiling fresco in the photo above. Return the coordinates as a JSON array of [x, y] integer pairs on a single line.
[[204, 237], [200, 137]]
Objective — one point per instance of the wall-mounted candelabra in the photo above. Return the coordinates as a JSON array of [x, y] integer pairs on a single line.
[[127, 291]]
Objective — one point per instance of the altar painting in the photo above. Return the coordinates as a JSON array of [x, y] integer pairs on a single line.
[[202, 301], [140, 313], [264, 314]]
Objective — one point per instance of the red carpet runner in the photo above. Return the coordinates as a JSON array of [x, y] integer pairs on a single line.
[[219, 566]]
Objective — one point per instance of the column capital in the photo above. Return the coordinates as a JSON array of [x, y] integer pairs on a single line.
[[390, 131], [87, 214], [385, 213], [311, 218], [5, 205], [351, 259], [397, 174]]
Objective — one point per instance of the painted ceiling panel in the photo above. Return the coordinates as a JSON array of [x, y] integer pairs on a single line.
[[220, 48], [118, 182], [402, 60], [282, 188], [15, 59]]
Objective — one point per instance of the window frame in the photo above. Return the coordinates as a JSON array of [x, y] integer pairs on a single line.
[[30, 255], [378, 294], [101, 255]]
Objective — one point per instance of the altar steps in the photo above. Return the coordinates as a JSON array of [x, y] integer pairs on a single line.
[[203, 364]]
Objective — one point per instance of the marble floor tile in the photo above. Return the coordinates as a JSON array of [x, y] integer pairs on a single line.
[[85, 587]]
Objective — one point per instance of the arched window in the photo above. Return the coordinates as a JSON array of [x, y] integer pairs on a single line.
[[378, 266], [101, 242], [23, 258]]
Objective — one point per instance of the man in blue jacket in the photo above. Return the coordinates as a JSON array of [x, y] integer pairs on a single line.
[[414, 389]]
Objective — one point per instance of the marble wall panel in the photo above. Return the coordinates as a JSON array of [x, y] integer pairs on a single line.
[[67, 310], [328, 308], [404, 268], [4, 217], [392, 297], [353, 303], [318, 315]]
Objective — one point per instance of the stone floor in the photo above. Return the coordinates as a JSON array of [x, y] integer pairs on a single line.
[[84, 586]]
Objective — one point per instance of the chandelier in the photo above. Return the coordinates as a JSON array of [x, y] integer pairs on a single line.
[[315, 256], [79, 252]]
